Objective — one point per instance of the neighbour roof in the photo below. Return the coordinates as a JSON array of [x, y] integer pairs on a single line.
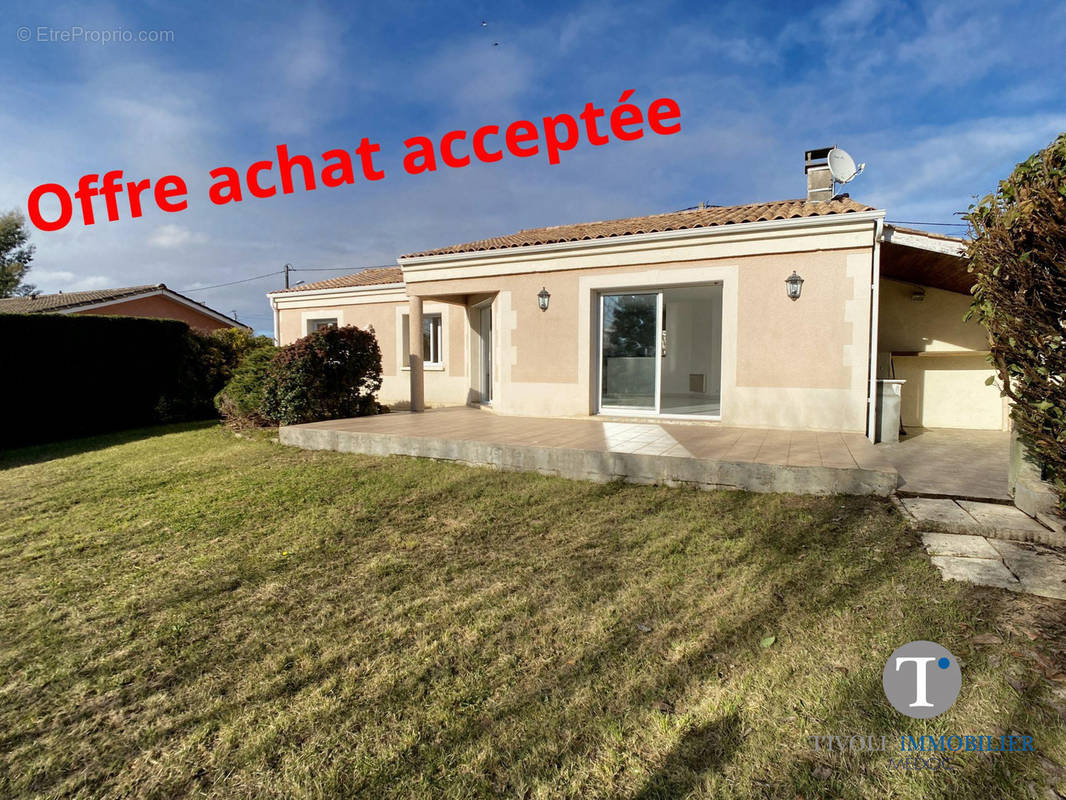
[[63, 300], [368, 277], [708, 217], [67, 301]]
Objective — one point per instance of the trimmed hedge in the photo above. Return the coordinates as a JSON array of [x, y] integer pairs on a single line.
[[1018, 257], [67, 376]]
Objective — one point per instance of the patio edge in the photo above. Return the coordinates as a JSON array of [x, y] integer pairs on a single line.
[[600, 466]]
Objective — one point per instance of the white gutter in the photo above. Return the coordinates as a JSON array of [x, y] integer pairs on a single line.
[[823, 220], [304, 294], [875, 302], [277, 322]]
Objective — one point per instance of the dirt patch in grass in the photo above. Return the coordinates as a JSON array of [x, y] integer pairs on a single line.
[[184, 612]]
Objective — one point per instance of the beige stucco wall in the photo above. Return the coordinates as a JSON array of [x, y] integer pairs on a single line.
[[379, 316], [789, 364], [942, 358], [383, 311], [949, 392], [785, 363], [934, 324]]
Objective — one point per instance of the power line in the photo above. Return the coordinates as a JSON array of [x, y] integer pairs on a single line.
[[234, 283]]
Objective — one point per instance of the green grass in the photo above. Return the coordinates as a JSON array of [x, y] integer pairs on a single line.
[[188, 613]]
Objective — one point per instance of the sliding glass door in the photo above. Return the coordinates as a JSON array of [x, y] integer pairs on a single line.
[[661, 351], [629, 364]]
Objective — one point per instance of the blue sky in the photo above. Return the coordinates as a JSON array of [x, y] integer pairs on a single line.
[[939, 99]]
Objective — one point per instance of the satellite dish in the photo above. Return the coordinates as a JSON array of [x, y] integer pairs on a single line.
[[842, 166]]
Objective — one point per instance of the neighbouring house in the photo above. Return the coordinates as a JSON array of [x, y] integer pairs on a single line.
[[135, 301], [782, 314]]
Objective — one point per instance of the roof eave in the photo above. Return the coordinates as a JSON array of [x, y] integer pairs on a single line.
[[819, 220], [337, 290], [925, 241]]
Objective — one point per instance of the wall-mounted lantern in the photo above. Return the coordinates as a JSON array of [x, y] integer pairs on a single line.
[[543, 296], [793, 285]]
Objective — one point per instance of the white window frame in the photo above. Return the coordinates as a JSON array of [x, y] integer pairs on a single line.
[[430, 360], [315, 323]]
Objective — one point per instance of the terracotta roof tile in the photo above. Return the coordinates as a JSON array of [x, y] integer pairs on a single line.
[[368, 277], [708, 217], [65, 300]]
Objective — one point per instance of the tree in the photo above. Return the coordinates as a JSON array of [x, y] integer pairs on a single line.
[[15, 255], [1018, 254]]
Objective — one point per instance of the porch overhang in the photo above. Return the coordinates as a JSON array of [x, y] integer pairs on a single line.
[[925, 259]]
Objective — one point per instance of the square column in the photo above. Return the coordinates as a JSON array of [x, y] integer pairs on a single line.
[[414, 336]]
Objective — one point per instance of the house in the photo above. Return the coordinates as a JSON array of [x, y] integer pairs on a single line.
[[780, 315], [135, 301]]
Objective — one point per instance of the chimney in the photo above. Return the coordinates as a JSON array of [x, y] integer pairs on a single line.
[[819, 179]]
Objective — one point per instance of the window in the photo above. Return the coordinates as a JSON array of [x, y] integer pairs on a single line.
[[432, 340], [320, 324]]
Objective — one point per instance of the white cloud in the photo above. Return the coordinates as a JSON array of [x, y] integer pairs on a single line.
[[302, 84], [52, 281], [936, 171], [174, 236]]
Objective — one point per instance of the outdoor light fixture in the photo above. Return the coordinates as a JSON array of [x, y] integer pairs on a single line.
[[793, 285], [543, 296]]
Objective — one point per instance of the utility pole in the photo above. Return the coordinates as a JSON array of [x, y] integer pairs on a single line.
[[288, 267], [234, 312]]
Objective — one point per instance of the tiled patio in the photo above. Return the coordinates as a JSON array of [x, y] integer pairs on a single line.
[[952, 463], [710, 456]]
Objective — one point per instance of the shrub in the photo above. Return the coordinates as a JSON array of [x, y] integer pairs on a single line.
[[331, 373], [1018, 253], [241, 402]]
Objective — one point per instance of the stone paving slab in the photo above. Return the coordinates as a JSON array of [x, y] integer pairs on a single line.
[[937, 514], [1019, 567], [982, 571], [996, 517], [1041, 570], [957, 544], [982, 519]]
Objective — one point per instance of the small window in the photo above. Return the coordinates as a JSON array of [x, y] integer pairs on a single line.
[[432, 340], [321, 324]]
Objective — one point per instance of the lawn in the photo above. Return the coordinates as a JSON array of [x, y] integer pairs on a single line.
[[184, 612]]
